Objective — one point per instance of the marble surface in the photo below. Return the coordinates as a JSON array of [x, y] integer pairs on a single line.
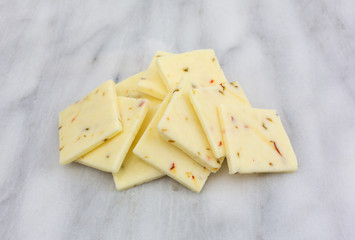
[[295, 56]]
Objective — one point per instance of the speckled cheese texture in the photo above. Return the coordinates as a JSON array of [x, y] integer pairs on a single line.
[[135, 171], [110, 155], [129, 88], [151, 83], [255, 141], [201, 65], [205, 102], [89, 123], [180, 126], [167, 158]]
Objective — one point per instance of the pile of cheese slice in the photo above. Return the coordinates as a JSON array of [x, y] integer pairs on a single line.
[[179, 118]]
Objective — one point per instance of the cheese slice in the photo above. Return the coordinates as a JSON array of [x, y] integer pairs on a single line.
[[167, 158], [135, 171], [109, 156], [181, 127], [151, 82], [88, 123], [129, 88], [205, 102], [201, 65], [255, 141]]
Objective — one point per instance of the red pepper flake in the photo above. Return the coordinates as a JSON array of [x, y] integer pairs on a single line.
[[60, 149], [141, 104], [73, 119], [172, 166], [164, 130], [220, 143], [223, 87], [211, 81], [277, 148], [246, 126], [193, 177], [232, 118], [168, 118], [208, 157]]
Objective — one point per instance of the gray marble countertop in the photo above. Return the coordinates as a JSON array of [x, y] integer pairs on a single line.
[[294, 56]]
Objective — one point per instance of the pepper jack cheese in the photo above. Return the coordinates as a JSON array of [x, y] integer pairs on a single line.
[[151, 82], [167, 158], [135, 171], [109, 156], [88, 123], [201, 65], [181, 127], [205, 102], [255, 141]]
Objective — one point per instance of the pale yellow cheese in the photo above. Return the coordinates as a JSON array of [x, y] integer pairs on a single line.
[[88, 123], [129, 88], [181, 127], [201, 65], [135, 171], [167, 158], [255, 141], [110, 155], [205, 102], [151, 82]]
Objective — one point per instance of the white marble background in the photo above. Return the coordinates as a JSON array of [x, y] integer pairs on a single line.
[[295, 56]]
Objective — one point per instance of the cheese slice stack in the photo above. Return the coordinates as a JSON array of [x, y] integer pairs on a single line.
[[255, 141], [180, 126], [110, 155], [167, 158], [205, 102]]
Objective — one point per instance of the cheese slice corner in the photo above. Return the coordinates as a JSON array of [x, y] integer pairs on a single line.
[[151, 83], [255, 141], [89, 123]]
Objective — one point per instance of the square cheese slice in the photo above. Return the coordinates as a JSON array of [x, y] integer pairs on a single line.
[[167, 158], [129, 88], [88, 123], [201, 65], [151, 82], [110, 155], [205, 102], [181, 127], [135, 171], [255, 141]]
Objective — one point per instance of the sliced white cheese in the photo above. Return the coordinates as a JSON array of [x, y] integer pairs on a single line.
[[110, 155], [255, 141], [88, 123], [181, 127], [151, 82], [201, 65], [135, 171], [167, 158], [205, 102]]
